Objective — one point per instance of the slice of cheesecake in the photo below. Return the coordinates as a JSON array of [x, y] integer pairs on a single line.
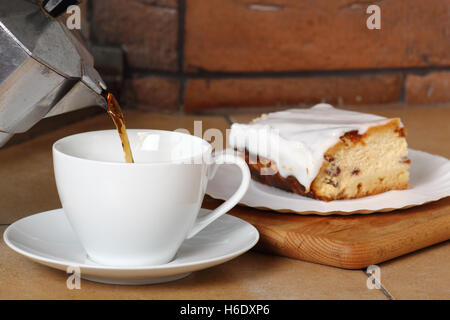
[[324, 152]]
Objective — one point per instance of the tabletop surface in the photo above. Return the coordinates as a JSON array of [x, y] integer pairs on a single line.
[[28, 187]]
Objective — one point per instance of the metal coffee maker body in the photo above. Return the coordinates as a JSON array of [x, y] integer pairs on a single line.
[[45, 69]]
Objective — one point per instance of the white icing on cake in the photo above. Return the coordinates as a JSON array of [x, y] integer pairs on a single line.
[[297, 139]]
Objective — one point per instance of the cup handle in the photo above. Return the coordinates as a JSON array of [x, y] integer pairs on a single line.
[[223, 158]]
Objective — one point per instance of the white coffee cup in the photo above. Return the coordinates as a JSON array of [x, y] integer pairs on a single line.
[[136, 214]]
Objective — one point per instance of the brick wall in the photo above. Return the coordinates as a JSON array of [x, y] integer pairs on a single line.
[[198, 55]]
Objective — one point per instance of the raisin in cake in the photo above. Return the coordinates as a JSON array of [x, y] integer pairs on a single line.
[[324, 152]]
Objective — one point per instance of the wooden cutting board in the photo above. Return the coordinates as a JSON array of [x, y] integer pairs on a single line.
[[350, 242]]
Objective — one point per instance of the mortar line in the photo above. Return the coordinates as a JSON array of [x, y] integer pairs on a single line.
[[90, 21], [228, 118], [181, 33], [403, 97], [284, 74], [180, 51], [181, 95]]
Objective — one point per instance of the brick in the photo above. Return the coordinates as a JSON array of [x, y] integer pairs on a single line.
[[153, 93], [148, 32], [84, 32], [430, 88], [281, 35], [204, 94], [85, 25]]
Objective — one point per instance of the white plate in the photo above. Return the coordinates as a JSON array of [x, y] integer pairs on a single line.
[[48, 238], [429, 178]]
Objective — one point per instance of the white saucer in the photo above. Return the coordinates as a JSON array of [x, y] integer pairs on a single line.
[[429, 179], [48, 238]]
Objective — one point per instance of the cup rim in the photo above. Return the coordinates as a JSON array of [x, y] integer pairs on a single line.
[[165, 162]]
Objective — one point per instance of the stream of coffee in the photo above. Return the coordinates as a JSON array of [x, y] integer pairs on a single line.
[[115, 112]]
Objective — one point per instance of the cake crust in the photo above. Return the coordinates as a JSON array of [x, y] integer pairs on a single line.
[[351, 168]]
